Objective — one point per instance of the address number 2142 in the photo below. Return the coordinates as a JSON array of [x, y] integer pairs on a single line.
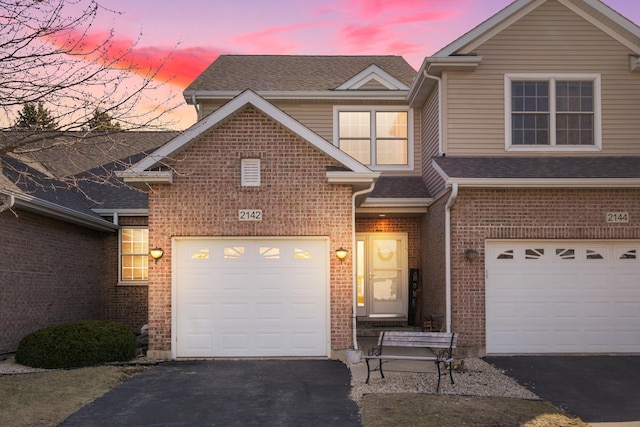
[[250, 214]]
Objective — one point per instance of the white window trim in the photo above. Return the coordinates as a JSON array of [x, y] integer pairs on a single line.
[[128, 282], [597, 112], [376, 109]]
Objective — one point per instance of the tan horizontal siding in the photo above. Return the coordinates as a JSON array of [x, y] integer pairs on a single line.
[[430, 132], [551, 39], [318, 117]]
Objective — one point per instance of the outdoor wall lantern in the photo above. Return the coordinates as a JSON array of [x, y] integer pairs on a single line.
[[341, 253], [470, 254], [156, 253]]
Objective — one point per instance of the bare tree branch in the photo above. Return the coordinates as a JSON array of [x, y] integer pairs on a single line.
[[52, 54]]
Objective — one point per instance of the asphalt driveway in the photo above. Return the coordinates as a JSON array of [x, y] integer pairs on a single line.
[[595, 388], [228, 393]]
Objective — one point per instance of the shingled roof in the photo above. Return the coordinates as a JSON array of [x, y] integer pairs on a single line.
[[293, 72], [540, 167], [411, 187], [74, 171]]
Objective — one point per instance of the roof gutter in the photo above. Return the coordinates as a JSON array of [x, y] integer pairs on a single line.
[[62, 213], [545, 182], [364, 95], [143, 179]]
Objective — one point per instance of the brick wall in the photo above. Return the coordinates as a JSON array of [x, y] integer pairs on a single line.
[[524, 214], [127, 304], [433, 259], [49, 274], [294, 196]]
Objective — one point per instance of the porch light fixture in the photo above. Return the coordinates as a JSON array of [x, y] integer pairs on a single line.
[[156, 253], [470, 254], [341, 253]]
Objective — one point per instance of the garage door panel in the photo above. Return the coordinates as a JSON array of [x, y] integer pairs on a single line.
[[579, 294], [252, 297]]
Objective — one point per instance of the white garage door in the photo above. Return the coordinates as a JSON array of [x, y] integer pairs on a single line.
[[563, 297], [250, 297]]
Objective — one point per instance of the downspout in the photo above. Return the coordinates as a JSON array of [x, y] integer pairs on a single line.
[[195, 105], [8, 202], [440, 107], [354, 317], [447, 239], [450, 202]]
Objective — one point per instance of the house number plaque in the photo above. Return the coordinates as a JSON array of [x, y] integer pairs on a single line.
[[250, 214], [617, 217]]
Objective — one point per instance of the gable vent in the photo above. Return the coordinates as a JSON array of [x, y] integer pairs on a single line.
[[250, 171]]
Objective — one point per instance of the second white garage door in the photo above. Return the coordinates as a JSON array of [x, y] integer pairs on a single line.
[[562, 297], [250, 297]]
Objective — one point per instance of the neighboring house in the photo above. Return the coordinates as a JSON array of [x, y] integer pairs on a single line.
[[61, 250], [496, 192]]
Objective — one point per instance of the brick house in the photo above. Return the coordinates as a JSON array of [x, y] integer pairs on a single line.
[[61, 251], [496, 191]]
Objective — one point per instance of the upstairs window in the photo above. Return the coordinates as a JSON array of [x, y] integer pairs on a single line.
[[134, 254], [545, 112], [378, 138]]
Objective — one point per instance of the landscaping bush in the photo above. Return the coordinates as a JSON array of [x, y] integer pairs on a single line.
[[77, 344]]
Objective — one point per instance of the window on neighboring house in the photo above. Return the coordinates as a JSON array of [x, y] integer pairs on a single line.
[[375, 137], [552, 112], [134, 254]]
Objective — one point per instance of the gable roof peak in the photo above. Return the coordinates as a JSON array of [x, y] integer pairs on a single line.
[[594, 11], [140, 172]]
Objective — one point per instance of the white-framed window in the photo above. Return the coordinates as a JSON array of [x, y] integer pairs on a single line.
[[379, 137], [134, 254], [552, 112]]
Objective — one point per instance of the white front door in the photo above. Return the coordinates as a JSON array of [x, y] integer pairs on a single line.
[[563, 296], [253, 297], [382, 276]]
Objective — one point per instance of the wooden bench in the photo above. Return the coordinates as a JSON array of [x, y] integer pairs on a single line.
[[444, 342]]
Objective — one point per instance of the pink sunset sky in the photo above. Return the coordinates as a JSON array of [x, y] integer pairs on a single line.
[[195, 32]]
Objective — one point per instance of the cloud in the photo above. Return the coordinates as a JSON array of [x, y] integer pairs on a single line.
[[274, 39], [402, 48], [178, 66], [423, 17], [369, 9], [361, 35]]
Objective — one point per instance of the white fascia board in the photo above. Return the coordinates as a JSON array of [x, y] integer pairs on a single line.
[[438, 65], [355, 95], [490, 27], [413, 210], [148, 177], [387, 202], [615, 17], [439, 170], [245, 98], [376, 73], [342, 177], [52, 210], [122, 212], [545, 182]]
